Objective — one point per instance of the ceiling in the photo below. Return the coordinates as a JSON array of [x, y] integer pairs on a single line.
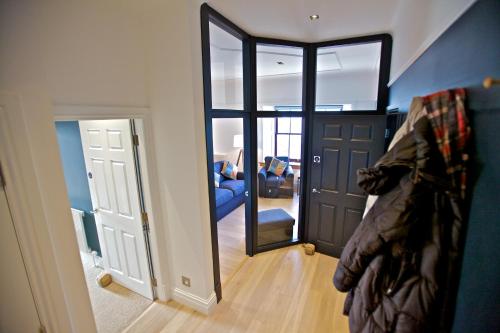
[[272, 60], [289, 19]]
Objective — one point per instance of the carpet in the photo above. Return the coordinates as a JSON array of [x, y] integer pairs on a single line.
[[115, 307]]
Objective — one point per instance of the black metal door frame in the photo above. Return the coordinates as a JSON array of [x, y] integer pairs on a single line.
[[250, 114]]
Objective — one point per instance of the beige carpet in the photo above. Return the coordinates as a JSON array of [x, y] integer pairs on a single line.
[[115, 306]]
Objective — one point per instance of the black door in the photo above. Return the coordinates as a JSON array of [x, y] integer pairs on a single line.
[[341, 145]]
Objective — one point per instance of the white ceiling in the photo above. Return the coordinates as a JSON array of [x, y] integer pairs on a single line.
[[289, 19]]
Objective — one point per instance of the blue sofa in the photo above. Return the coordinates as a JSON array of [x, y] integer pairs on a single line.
[[230, 194]]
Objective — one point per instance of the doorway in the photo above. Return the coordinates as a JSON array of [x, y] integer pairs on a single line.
[[101, 164], [304, 103]]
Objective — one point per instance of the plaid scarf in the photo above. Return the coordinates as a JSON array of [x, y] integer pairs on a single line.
[[447, 115]]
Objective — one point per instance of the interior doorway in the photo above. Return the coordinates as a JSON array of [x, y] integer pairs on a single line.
[[102, 170], [295, 97]]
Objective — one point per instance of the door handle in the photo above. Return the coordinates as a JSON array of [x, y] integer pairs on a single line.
[[93, 211], [315, 190]]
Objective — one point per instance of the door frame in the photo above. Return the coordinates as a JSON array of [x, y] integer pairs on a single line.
[[145, 176], [250, 112]]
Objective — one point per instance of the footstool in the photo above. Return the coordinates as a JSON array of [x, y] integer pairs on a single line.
[[274, 225]]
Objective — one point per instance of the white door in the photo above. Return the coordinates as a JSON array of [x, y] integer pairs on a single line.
[[109, 158]]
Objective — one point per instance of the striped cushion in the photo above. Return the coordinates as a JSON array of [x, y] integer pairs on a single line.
[[277, 167], [229, 170]]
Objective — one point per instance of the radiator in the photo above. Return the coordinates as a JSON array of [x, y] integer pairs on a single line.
[[80, 230]]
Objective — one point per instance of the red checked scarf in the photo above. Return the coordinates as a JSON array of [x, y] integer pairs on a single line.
[[447, 115]]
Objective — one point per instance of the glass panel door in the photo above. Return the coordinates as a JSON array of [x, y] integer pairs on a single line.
[[226, 69], [347, 77], [279, 158]]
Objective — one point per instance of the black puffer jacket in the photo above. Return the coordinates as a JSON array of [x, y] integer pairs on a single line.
[[398, 265]]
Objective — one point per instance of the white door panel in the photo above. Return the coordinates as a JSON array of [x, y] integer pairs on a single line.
[[109, 158]]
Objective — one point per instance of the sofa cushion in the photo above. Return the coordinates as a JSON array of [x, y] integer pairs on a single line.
[[236, 186], [217, 179], [229, 170], [277, 166], [222, 196]]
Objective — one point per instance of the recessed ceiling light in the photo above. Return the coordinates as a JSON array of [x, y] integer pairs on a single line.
[[280, 62], [314, 17]]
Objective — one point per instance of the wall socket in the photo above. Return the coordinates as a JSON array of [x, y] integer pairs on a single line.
[[186, 281]]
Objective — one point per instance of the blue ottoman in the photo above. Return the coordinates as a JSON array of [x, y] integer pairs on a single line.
[[274, 225]]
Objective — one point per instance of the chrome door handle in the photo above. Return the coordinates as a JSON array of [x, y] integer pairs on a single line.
[[93, 211], [314, 190]]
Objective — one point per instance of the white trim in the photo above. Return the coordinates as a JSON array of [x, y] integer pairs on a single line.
[[205, 306], [31, 225], [97, 112], [427, 43]]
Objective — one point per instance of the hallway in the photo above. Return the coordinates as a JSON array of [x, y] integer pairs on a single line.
[[278, 291]]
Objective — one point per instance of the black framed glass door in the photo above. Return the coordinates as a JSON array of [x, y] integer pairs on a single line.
[[279, 90]]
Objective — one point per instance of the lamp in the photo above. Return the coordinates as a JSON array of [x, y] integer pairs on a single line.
[[238, 143]]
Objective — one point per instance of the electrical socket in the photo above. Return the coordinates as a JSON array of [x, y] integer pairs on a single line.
[[186, 281]]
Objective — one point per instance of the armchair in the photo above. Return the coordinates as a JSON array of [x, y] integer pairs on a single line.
[[272, 186]]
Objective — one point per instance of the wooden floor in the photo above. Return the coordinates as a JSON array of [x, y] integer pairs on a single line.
[[278, 291], [231, 233]]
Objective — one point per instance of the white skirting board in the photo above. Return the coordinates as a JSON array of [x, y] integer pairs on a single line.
[[80, 230], [202, 305]]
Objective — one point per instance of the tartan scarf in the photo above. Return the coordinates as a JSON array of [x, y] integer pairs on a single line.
[[447, 115]]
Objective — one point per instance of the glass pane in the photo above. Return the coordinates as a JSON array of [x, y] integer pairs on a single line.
[[282, 145], [279, 78], [229, 164], [296, 125], [226, 63], [283, 125], [295, 148], [278, 192], [347, 77]]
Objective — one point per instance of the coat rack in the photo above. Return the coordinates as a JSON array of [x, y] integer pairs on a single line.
[[488, 82]]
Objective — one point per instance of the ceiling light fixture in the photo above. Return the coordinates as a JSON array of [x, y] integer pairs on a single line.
[[280, 62], [314, 17]]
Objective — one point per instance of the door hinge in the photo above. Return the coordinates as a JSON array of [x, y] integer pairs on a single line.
[[145, 221], [135, 139], [2, 178], [154, 282]]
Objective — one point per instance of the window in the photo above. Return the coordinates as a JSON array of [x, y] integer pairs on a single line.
[[226, 66], [347, 77], [279, 76], [288, 138]]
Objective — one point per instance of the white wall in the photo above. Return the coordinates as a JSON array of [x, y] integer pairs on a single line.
[[224, 130], [120, 54], [416, 24]]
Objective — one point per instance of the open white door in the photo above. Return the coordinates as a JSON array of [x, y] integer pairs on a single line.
[[109, 158]]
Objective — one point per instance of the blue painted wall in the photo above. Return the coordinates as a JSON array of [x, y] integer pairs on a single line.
[[75, 175], [462, 57]]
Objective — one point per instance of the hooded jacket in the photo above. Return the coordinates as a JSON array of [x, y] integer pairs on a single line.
[[397, 265]]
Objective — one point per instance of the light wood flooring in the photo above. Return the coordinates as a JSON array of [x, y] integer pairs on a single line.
[[278, 291], [231, 233]]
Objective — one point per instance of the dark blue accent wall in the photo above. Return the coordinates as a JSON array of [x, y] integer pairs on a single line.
[[75, 175], [462, 57]]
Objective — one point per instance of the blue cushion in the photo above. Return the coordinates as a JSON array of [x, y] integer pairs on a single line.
[[217, 179], [236, 186], [222, 196]]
